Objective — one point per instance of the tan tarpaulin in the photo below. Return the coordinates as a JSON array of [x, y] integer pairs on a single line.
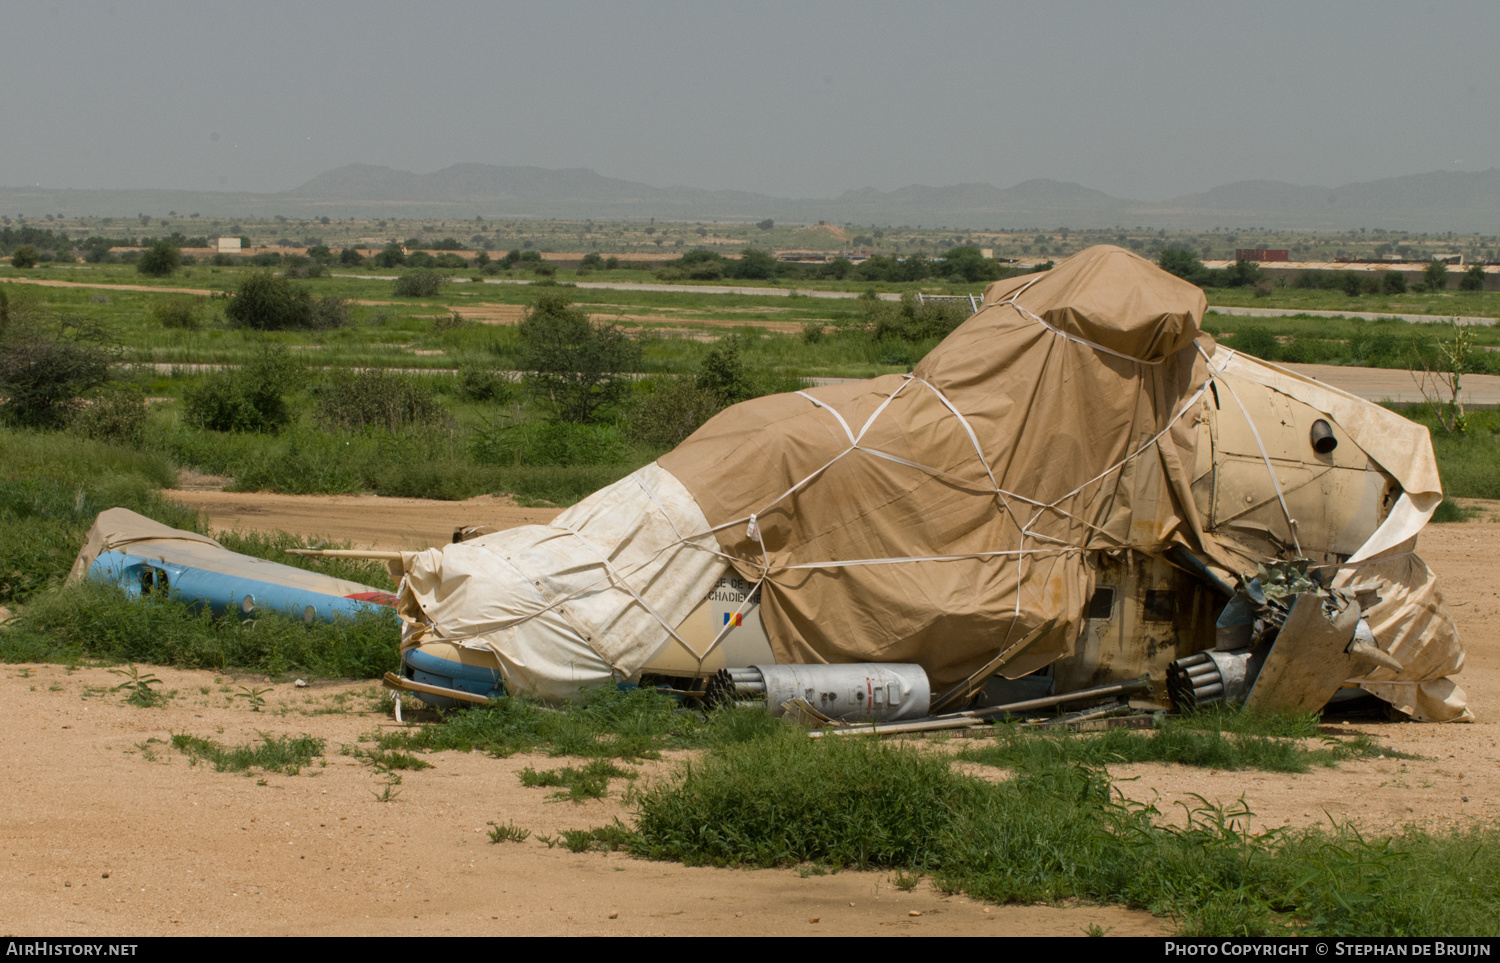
[[938, 517]]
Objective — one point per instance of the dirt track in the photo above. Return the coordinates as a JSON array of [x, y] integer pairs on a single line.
[[365, 521], [189, 850]]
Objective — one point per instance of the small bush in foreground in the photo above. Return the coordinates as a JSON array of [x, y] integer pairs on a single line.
[[1055, 833]]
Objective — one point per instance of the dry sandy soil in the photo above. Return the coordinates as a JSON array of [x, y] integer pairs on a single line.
[[106, 832], [365, 521]]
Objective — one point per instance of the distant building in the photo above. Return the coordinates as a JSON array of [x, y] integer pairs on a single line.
[[229, 245], [1260, 254]]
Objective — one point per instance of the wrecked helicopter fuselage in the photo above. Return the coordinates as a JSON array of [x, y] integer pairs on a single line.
[[1071, 490]]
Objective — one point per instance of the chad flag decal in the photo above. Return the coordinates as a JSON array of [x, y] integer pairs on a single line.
[[734, 618]]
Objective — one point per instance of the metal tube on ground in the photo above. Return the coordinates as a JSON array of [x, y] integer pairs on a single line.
[[963, 720]]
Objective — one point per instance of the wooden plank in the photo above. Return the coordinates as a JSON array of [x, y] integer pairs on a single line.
[[394, 681]]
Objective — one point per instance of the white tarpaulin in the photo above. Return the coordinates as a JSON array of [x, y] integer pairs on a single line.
[[576, 603]]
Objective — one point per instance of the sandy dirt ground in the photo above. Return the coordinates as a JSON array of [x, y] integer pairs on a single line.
[[107, 832], [365, 521]]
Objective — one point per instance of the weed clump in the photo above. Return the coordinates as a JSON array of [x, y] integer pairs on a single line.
[[283, 754], [607, 839], [509, 833], [589, 782]]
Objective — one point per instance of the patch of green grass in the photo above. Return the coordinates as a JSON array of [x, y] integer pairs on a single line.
[[53, 485], [607, 723], [1449, 510], [99, 623], [1026, 750], [1057, 832], [588, 782], [1469, 462], [283, 754]]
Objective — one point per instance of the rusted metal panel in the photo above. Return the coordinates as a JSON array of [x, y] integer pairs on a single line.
[[1144, 614]]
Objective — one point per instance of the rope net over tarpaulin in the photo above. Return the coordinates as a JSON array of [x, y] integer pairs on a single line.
[[935, 518]]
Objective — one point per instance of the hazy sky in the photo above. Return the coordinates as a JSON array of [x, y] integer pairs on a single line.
[[1141, 100]]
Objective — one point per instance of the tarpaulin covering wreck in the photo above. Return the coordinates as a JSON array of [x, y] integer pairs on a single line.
[[1077, 483]]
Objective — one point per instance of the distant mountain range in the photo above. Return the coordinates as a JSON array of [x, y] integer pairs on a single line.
[[1434, 202]]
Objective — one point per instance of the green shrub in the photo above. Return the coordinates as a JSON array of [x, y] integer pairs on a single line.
[[181, 313], [159, 260], [265, 302], [23, 257], [1473, 279], [573, 366], [672, 409], [478, 382], [1392, 282], [117, 415], [910, 320], [422, 283], [722, 374], [1256, 341], [249, 398], [45, 365], [549, 443], [354, 401]]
